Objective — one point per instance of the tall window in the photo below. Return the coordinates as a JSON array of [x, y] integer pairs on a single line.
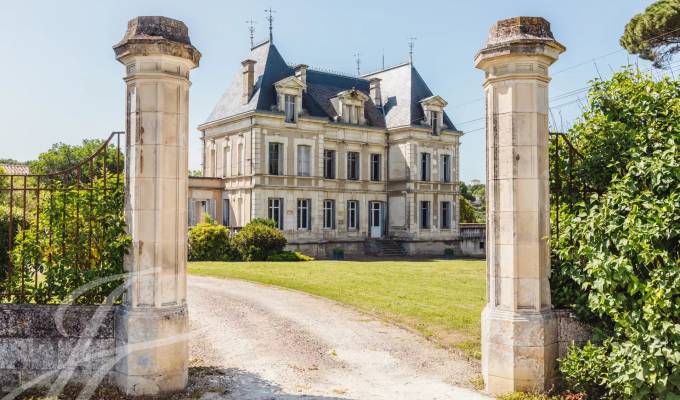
[[375, 167], [226, 211], [289, 102], [425, 215], [225, 161], [276, 212], [446, 215], [352, 214], [304, 214], [445, 168], [329, 214], [424, 166], [329, 164], [434, 122], [241, 158], [353, 165], [275, 158], [303, 160]]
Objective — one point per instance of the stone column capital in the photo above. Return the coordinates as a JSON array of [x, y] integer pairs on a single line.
[[152, 36], [519, 37]]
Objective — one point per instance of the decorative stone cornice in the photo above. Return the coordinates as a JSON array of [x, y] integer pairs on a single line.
[[156, 35]]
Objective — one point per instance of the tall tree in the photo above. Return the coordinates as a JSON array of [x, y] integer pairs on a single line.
[[654, 34]]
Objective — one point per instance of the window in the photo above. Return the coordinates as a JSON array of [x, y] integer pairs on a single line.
[[329, 164], [275, 159], [225, 161], [329, 214], [303, 214], [424, 166], [303, 161], [225, 212], [375, 167], [241, 159], [289, 107], [425, 215], [481, 245], [352, 214], [276, 212], [445, 168], [434, 122], [445, 222], [353, 165]]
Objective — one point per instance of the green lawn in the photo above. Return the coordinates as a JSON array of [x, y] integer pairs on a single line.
[[442, 299]]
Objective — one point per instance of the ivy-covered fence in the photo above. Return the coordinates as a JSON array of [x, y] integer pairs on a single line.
[[62, 230]]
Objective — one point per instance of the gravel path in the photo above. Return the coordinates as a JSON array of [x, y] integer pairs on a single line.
[[269, 343]]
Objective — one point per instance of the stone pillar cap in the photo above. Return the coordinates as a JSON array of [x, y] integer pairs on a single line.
[[147, 36], [520, 35]]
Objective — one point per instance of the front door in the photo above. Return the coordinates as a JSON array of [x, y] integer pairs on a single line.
[[375, 217]]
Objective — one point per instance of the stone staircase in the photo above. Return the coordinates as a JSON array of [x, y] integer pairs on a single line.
[[386, 248]]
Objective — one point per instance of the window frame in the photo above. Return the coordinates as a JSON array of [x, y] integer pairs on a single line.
[[304, 214], [329, 171], [445, 168], [425, 166], [226, 212], [353, 221], [425, 214], [356, 160], [376, 170], [328, 214], [289, 101], [434, 122], [302, 168], [446, 215], [275, 168], [279, 208]]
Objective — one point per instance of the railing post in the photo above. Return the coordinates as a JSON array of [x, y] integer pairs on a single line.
[[519, 330], [152, 326]]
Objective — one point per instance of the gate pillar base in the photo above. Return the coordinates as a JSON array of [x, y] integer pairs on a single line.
[[152, 349], [518, 351]]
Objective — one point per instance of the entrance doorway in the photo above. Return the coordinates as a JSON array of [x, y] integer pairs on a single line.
[[375, 218]]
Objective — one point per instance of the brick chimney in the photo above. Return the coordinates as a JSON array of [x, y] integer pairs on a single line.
[[376, 95], [301, 72], [248, 79]]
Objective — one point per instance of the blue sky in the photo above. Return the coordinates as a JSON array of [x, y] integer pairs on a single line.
[[61, 83]]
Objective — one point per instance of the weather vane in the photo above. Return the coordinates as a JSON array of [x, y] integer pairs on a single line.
[[357, 59], [270, 18], [411, 44], [251, 29]]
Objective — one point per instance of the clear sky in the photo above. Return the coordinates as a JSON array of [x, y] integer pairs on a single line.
[[60, 81]]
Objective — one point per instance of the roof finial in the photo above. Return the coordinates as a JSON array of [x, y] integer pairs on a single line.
[[383, 58], [270, 18], [357, 59], [411, 43], [251, 29]]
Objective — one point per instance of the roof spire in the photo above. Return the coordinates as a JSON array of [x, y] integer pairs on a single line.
[[251, 29], [270, 19], [411, 43], [357, 59], [383, 58]]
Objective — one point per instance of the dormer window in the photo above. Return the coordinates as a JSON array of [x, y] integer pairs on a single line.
[[289, 108], [433, 107], [349, 105]]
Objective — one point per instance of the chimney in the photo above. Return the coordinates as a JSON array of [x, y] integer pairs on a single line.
[[248, 79], [301, 72], [376, 95]]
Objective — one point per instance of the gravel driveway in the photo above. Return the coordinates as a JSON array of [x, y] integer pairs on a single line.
[[268, 343]]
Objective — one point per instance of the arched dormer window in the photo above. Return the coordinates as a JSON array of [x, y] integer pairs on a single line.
[[289, 94], [433, 107], [349, 105]]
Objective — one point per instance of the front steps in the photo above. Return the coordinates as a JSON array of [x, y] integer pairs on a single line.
[[385, 248]]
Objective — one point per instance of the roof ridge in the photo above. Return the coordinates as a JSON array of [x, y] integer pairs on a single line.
[[387, 68]]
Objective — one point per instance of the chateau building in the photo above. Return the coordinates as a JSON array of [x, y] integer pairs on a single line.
[[335, 160]]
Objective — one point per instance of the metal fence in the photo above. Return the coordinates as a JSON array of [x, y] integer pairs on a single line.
[[55, 223]]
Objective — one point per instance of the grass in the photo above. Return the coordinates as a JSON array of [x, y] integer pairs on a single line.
[[441, 299]]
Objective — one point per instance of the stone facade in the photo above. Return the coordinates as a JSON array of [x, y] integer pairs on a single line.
[[335, 159]]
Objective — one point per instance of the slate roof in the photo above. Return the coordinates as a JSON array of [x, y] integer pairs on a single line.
[[402, 88], [15, 169]]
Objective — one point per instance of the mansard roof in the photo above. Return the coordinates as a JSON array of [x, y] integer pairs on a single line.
[[402, 89]]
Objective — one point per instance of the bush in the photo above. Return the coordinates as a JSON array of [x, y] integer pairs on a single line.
[[209, 242], [617, 257], [258, 240], [449, 252], [338, 253], [289, 256]]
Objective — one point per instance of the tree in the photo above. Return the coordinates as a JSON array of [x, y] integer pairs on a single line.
[[467, 212], [60, 157], [655, 33], [617, 259]]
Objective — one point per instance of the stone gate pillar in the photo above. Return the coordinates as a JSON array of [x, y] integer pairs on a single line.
[[152, 327], [519, 331]]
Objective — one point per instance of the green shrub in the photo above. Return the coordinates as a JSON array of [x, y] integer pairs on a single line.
[[289, 256], [4, 242], [264, 221], [258, 240], [338, 253], [209, 242], [617, 258], [449, 252]]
